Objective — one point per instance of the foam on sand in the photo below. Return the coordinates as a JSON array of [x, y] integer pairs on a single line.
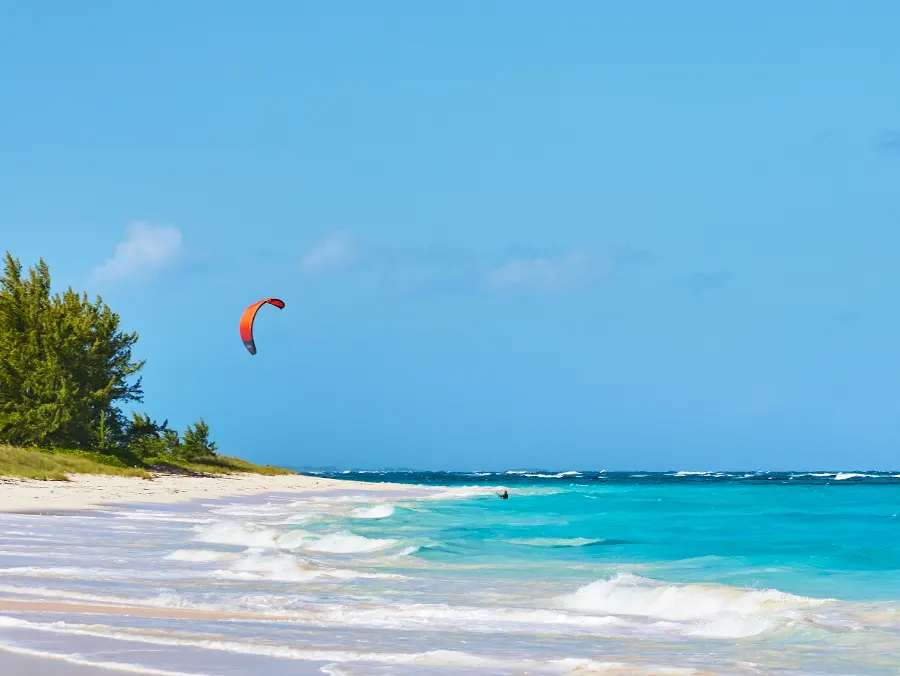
[[439, 658]]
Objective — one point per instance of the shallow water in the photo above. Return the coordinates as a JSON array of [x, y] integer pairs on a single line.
[[577, 573]]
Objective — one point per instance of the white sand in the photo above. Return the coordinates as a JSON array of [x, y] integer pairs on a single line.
[[90, 491]]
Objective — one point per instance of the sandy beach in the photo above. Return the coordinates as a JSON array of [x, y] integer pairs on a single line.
[[93, 491], [30, 499]]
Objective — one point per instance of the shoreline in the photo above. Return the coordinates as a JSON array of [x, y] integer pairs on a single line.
[[95, 491]]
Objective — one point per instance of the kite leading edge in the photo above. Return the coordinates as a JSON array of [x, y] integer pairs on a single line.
[[248, 318]]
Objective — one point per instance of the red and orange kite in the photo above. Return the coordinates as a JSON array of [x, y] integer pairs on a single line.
[[249, 316]]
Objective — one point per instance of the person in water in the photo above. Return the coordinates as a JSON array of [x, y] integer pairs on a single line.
[[505, 495]]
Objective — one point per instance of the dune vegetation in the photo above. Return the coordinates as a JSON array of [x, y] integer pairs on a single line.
[[54, 465]]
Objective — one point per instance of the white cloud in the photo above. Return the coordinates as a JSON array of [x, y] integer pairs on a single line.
[[544, 274], [147, 248], [333, 251]]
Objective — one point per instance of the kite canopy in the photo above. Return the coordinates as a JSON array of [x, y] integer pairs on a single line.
[[248, 318]]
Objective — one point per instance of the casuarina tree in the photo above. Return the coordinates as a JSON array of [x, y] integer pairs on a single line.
[[65, 365]]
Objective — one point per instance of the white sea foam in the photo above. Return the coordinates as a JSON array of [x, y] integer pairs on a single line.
[[551, 476], [160, 517], [486, 620], [462, 492], [260, 537], [727, 611], [733, 618], [283, 567], [233, 533], [466, 492], [275, 567], [347, 543], [375, 512], [76, 573], [197, 555], [293, 539]]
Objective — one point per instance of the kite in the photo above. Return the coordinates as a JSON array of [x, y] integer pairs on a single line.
[[248, 318]]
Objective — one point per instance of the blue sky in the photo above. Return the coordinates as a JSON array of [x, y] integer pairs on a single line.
[[571, 235]]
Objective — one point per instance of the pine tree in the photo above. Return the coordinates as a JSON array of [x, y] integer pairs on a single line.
[[26, 414], [147, 439], [64, 365], [195, 443]]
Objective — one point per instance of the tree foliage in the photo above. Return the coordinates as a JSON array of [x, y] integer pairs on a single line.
[[196, 443], [66, 367]]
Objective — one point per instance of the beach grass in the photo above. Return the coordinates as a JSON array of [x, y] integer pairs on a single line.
[[57, 464], [218, 464]]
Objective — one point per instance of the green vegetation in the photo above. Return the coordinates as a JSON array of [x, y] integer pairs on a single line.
[[218, 464], [55, 465], [66, 367]]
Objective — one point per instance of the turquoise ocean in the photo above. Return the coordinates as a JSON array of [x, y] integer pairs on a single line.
[[577, 573]]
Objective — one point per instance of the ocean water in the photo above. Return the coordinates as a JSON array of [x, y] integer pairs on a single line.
[[577, 573]]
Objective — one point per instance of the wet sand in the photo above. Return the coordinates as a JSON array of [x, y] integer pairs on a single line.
[[15, 605], [24, 664]]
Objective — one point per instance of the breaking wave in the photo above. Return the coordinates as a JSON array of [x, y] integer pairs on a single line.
[[376, 512], [710, 610]]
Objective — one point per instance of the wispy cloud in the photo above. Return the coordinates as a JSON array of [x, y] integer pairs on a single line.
[[458, 270], [333, 251], [147, 249], [548, 274]]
